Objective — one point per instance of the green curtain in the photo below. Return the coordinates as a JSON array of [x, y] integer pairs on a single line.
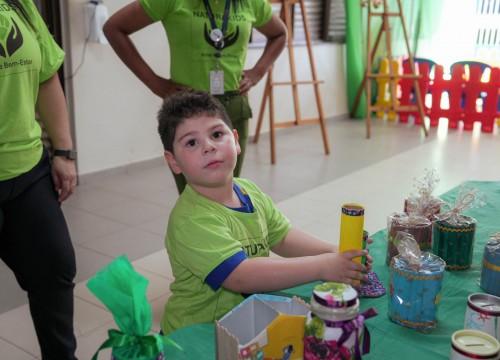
[[421, 20]]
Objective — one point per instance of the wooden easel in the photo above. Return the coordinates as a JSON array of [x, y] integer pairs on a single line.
[[391, 75], [286, 16]]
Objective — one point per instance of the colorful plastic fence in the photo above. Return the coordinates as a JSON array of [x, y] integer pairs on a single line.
[[469, 93]]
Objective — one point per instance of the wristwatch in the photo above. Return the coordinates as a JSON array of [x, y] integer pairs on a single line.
[[68, 154]]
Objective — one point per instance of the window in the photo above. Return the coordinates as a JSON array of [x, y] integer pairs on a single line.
[[325, 18], [335, 22], [487, 46]]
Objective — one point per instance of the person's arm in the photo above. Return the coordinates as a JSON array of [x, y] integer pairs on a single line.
[[275, 32], [117, 29], [300, 243], [51, 107], [266, 274]]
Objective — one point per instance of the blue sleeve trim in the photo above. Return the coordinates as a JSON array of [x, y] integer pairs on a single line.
[[218, 275]]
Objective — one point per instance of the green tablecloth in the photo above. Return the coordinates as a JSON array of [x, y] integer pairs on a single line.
[[389, 340]]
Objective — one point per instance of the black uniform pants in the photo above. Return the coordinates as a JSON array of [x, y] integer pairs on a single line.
[[35, 244]]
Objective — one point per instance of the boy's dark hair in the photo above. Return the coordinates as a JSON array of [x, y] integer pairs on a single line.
[[186, 105]]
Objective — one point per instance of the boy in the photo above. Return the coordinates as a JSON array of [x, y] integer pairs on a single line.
[[221, 229]]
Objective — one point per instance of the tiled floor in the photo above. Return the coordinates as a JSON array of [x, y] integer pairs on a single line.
[[126, 212]]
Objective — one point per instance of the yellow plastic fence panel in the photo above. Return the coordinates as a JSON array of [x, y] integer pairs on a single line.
[[383, 89]]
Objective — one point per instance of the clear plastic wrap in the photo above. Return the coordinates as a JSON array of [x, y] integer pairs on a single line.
[[468, 198], [418, 226], [422, 202], [415, 280]]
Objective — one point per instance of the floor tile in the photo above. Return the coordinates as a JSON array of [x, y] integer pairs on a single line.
[[17, 329], [84, 226], [134, 212], [156, 263], [89, 317], [12, 352], [133, 242]]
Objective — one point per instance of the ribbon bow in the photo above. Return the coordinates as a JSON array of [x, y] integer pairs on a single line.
[[148, 345], [468, 198], [348, 327]]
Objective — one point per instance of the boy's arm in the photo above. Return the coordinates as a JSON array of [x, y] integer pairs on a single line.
[[266, 274], [300, 243]]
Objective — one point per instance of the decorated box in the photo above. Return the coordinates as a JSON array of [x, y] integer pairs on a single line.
[[415, 280], [490, 268], [262, 327]]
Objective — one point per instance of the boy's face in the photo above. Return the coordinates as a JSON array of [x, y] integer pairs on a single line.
[[205, 151]]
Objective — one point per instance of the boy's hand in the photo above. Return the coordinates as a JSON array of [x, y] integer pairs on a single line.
[[341, 268]]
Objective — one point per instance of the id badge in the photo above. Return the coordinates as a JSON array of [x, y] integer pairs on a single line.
[[217, 82]]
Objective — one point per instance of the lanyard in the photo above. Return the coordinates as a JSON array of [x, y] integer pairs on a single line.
[[217, 35]]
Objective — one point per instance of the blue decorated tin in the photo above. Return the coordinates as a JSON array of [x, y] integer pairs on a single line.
[[415, 291], [490, 268]]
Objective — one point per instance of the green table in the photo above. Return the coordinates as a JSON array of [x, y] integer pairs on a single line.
[[389, 340]]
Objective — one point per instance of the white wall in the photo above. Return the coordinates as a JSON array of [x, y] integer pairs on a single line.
[[114, 114]]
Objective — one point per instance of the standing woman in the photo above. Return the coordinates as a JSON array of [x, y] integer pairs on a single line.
[[34, 238], [208, 47]]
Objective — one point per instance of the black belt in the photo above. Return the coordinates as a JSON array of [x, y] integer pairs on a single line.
[[229, 94]]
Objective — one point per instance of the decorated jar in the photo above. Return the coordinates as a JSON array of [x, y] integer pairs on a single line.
[[334, 328], [483, 314], [473, 344], [454, 242], [415, 291], [490, 268], [418, 226]]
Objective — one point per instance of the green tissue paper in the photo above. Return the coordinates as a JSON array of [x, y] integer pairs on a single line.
[[123, 291]]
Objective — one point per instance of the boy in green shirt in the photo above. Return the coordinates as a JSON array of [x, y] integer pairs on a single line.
[[222, 229]]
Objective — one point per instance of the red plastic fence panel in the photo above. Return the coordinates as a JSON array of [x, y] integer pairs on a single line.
[[454, 88], [470, 97], [423, 67], [481, 99]]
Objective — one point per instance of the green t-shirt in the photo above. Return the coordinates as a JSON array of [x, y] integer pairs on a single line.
[[188, 30], [26, 60], [201, 235]]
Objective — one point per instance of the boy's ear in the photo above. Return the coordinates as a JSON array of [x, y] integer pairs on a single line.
[[172, 162], [236, 138]]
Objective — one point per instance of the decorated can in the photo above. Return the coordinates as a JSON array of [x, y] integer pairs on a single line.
[[418, 226], [473, 344], [334, 328], [415, 292], [483, 314], [490, 268], [365, 246], [351, 228], [454, 243]]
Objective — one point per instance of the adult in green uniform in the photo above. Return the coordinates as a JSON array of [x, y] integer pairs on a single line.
[[34, 239], [208, 42]]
